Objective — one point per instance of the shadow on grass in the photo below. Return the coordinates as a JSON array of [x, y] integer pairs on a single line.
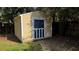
[[13, 38]]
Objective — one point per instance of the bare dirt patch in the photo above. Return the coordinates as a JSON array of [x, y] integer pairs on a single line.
[[60, 43]]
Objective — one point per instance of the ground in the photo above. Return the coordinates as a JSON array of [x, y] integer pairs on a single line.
[[60, 43], [11, 43], [56, 43]]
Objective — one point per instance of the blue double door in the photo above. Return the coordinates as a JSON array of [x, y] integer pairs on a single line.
[[38, 30]]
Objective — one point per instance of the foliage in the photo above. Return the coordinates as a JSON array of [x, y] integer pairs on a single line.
[[8, 13], [49, 12], [63, 13]]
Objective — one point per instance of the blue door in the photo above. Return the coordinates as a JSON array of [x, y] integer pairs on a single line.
[[38, 30]]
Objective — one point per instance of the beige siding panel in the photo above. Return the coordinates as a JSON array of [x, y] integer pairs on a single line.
[[17, 25], [48, 28], [27, 28], [47, 23]]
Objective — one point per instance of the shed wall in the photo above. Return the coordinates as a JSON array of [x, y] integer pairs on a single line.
[[27, 27], [47, 24], [17, 27], [48, 28]]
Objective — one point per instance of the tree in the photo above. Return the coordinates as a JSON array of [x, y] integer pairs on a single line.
[[8, 13], [49, 12], [63, 14]]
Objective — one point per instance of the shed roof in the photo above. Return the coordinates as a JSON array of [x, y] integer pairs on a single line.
[[30, 13]]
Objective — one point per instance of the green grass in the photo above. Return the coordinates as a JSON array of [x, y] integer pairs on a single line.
[[6, 45]]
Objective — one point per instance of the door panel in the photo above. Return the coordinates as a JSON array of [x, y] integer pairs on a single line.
[[38, 29]]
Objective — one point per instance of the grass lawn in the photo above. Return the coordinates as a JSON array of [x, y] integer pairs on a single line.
[[6, 45]]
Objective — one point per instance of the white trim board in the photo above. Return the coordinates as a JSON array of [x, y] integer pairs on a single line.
[[21, 28]]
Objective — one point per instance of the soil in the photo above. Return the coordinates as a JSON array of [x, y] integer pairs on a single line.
[[59, 43]]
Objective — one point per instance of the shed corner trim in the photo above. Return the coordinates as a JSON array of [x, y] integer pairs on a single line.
[[21, 28]]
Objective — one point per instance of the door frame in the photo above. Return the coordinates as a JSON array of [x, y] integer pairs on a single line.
[[35, 29]]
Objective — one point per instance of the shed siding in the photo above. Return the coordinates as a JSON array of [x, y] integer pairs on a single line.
[[17, 25], [48, 28], [27, 28], [47, 24]]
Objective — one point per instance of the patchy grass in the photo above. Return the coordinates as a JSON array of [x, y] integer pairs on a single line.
[[6, 45]]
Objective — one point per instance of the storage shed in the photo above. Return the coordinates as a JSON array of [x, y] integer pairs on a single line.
[[32, 26]]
